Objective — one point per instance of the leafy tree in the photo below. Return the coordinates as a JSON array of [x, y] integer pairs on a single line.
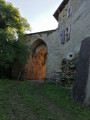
[[12, 29]]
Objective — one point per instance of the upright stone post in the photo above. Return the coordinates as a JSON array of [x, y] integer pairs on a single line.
[[81, 89]]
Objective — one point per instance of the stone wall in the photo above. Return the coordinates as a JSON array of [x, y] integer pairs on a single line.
[[52, 41], [80, 29], [80, 26]]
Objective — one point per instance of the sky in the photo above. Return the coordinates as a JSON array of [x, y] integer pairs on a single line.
[[39, 13]]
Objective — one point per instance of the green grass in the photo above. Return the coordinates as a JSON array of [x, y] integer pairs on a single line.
[[63, 98], [34, 101]]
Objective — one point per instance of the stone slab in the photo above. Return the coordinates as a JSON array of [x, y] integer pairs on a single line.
[[81, 77]]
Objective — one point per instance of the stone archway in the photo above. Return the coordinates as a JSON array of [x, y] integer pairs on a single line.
[[36, 66]]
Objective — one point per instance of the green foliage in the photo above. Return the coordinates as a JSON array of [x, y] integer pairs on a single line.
[[11, 20], [12, 28], [21, 51]]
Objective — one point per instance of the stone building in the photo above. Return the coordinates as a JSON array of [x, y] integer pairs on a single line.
[[50, 47]]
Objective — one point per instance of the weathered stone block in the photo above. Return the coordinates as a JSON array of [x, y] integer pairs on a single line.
[[82, 85]]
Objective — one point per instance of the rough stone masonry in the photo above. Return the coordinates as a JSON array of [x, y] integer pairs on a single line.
[[73, 17]]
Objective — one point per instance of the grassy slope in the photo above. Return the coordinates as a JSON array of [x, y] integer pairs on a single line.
[[34, 101]]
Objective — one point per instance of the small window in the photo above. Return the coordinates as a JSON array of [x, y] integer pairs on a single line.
[[63, 37], [70, 11], [69, 31]]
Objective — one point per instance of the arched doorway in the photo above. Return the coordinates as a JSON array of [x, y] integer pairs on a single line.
[[36, 67]]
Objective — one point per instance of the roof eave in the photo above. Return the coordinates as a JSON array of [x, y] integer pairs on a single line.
[[60, 8]]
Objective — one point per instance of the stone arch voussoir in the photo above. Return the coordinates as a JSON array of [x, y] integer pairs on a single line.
[[38, 45]]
